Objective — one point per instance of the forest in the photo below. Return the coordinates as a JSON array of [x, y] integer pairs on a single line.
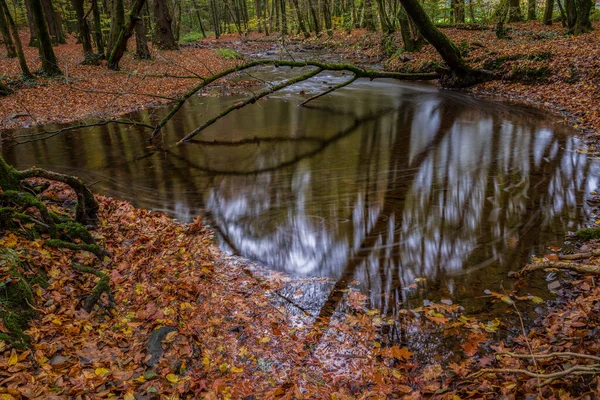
[[299, 199]]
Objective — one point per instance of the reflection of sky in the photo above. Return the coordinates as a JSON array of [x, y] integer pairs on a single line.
[[470, 199]]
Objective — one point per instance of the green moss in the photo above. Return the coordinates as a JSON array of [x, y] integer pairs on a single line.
[[228, 54], [16, 298], [528, 74], [588, 233]]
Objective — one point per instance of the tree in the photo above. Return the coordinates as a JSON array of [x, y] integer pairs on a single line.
[[15, 39], [44, 44], [164, 33], [11, 52], [84, 33], [98, 39], [548, 10], [126, 32], [4, 90], [461, 74], [514, 11]]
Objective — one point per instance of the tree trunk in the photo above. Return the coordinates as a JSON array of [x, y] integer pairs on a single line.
[[117, 23], [327, 16], [98, 29], [548, 12], [313, 12], [47, 57], [461, 74], [121, 43], [54, 22], [301, 24], [582, 22], [197, 9], [410, 43], [386, 25], [142, 52], [11, 51], [164, 38], [16, 40], [368, 19], [458, 7], [31, 23], [514, 11], [284, 27], [4, 91], [215, 17], [84, 33], [531, 10]]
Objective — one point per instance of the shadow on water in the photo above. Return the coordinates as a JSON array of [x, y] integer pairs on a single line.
[[375, 186]]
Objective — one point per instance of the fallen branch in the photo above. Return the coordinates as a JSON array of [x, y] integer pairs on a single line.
[[357, 71], [581, 268], [250, 100], [336, 87]]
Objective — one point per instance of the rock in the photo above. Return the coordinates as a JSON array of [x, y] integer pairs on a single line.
[[154, 344], [554, 285]]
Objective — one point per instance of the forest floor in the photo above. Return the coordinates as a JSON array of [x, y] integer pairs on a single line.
[[190, 322]]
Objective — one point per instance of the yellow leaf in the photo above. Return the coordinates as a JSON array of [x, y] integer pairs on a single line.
[[140, 379], [265, 339], [397, 374], [101, 371], [172, 378], [6, 396], [376, 344], [223, 367], [243, 351], [13, 358], [170, 336], [57, 322], [372, 312], [205, 361], [10, 240], [237, 370], [129, 396], [2, 345]]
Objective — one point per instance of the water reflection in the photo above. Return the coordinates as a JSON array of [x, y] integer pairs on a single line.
[[381, 183]]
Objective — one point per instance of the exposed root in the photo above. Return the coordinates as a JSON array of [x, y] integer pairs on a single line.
[[103, 286], [593, 369], [581, 268]]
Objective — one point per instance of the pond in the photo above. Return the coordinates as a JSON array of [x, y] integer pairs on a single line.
[[379, 185]]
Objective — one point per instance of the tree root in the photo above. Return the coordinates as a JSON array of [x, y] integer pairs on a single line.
[[581, 268], [103, 286], [593, 369]]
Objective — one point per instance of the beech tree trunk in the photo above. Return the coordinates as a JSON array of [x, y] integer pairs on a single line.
[[98, 39], [142, 51], [531, 10], [164, 38], [313, 13], [11, 51], [117, 23], [15, 39], [54, 22], [121, 44], [458, 7], [549, 9], [84, 32], [44, 44], [514, 11], [301, 24]]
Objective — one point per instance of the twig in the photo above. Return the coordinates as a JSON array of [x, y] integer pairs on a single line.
[[336, 87], [575, 370]]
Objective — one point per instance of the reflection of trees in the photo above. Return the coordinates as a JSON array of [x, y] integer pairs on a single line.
[[428, 188]]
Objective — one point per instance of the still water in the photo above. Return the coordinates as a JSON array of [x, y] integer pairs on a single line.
[[380, 183]]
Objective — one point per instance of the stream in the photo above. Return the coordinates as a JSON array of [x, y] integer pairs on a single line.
[[381, 184]]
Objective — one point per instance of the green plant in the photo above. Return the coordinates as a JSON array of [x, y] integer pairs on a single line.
[[228, 54], [588, 233], [191, 37]]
